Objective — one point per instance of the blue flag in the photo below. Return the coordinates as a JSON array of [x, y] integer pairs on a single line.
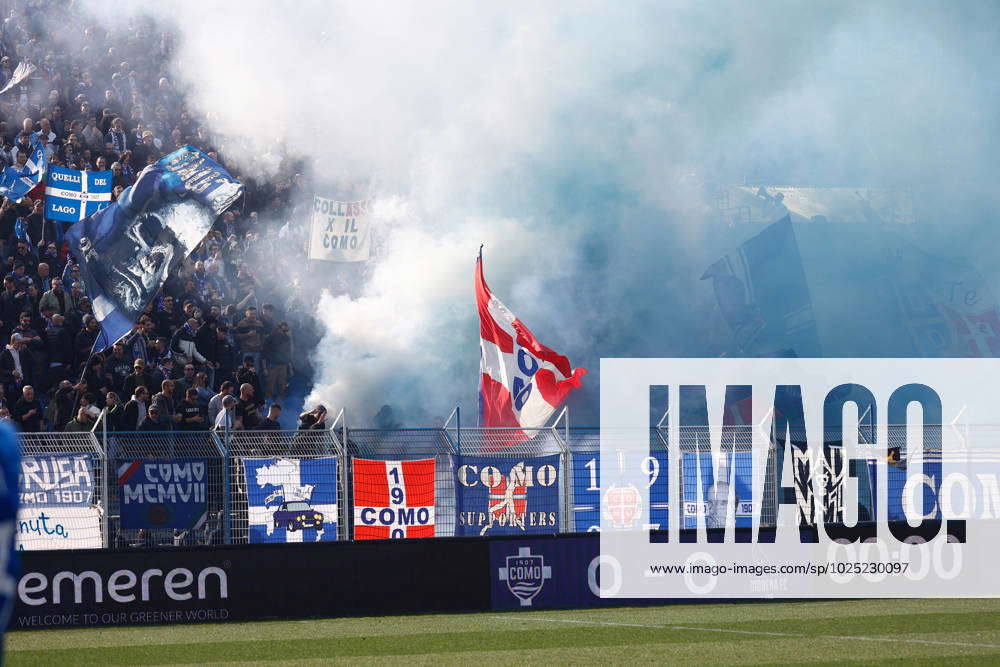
[[127, 250], [16, 183], [72, 195]]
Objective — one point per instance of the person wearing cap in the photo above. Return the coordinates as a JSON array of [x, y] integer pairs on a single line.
[[155, 421], [138, 378]]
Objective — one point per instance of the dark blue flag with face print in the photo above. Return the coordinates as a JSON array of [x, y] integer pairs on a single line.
[[128, 249]]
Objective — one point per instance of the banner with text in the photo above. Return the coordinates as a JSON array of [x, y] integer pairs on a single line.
[[507, 496], [72, 195], [622, 505], [167, 493], [341, 231], [58, 480], [393, 499], [59, 527]]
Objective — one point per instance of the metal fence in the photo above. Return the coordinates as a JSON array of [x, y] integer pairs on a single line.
[[234, 477]]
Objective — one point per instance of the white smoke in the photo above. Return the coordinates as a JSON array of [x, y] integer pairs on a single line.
[[573, 139]]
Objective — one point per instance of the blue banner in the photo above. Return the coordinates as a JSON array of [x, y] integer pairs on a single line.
[[552, 573], [127, 250], [695, 502], [621, 505], [72, 195], [507, 496], [166, 493], [65, 480], [292, 500], [15, 183]]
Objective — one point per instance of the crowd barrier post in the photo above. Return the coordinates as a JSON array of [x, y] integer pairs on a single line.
[[108, 470], [227, 486]]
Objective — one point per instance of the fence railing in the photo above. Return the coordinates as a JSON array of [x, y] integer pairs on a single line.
[[125, 490]]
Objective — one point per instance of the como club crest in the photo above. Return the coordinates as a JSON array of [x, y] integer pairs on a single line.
[[525, 575], [622, 506]]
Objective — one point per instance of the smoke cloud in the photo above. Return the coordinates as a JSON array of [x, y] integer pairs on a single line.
[[577, 141]]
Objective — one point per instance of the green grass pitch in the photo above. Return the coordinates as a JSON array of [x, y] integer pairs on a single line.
[[959, 631]]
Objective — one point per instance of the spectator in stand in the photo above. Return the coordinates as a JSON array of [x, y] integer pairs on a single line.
[[28, 411], [193, 417], [247, 414], [61, 405], [16, 366], [155, 421], [246, 374], [215, 403], [164, 401], [87, 337], [58, 350], [201, 388], [113, 411], [138, 378], [119, 365], [278, 352], [270, 423], [225, 354], [83, 422], [250, 335], [226, 419], [184, 382], [134, 412], [56, 298], [314, 419]]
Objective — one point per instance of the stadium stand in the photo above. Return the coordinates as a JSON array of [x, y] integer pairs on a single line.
[[103, 99]]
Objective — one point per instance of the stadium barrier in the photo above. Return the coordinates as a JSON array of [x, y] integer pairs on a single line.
[[135, 490], [252, 582]]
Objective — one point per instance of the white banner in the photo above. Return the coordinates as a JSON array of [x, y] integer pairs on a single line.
[[59, 528], [341, 231], [870, 477]]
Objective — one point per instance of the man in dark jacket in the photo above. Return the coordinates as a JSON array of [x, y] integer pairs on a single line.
[[16, 366], [246, 374], [28, 412], [134, 412]]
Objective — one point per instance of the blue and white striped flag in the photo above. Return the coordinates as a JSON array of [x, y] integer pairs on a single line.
[[16, 183], [72, 195]]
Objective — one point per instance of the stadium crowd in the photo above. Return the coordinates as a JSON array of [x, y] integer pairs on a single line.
[[221, 339]]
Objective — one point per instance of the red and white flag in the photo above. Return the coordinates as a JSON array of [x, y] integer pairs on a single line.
[[522, 381]]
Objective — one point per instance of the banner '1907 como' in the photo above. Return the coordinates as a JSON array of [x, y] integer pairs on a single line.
[[393, 499], [127, 250]]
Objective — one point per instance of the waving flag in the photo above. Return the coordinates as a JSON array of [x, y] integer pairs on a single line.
[[127, 250], [20, 73], [522, 381], [16, 183]]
